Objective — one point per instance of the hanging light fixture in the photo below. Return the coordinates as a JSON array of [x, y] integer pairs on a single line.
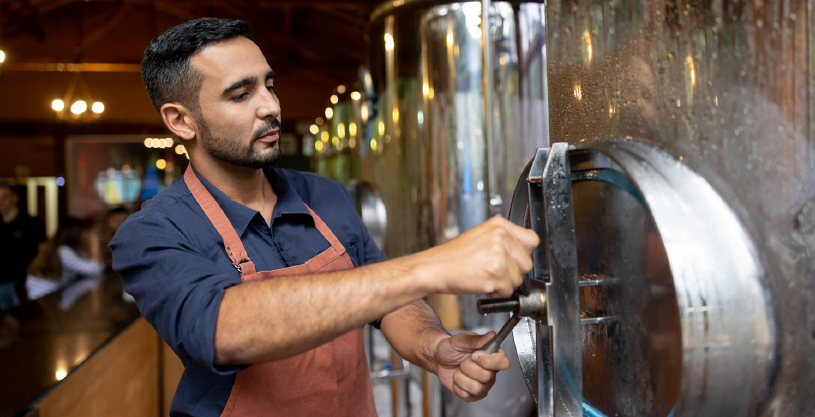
[[79, 109]]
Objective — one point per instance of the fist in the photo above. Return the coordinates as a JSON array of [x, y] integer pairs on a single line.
[[467, 372], [488, 259]]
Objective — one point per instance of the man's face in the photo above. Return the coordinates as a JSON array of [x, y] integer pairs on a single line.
[[240, 113], [8, 199]]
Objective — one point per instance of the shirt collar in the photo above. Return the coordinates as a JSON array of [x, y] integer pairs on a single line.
[[288, 201]]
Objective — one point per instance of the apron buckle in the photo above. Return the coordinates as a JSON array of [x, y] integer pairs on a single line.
[[238, 266]]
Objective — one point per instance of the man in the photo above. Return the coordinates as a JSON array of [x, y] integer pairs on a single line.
[[20, 237], [261, 279]]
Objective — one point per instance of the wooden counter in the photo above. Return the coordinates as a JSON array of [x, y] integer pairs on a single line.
[[98, 358]]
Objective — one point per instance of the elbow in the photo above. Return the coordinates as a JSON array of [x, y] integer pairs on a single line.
[[223, 354], [228, 347]]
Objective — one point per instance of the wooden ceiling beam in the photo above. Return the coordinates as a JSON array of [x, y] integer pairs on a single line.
[[123, 67], [94, 37]]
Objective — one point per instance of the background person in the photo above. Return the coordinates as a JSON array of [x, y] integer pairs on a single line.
[[71, 261], [20, 236]]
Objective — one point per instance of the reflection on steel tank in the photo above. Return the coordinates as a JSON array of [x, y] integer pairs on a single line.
[[450, 139], [726, 87], [440, 161]]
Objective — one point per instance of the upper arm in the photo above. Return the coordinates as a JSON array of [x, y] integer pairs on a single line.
[[177, 288]]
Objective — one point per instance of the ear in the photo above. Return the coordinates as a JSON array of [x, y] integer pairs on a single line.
[[179, 120]]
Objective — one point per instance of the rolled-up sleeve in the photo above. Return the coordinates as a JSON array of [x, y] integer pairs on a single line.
[[177, 289]]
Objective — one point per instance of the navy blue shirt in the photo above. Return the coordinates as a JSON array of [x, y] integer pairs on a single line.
[[172, 260]]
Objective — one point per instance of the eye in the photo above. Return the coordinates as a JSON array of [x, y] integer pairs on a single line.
[[271, 88], [240, 97]]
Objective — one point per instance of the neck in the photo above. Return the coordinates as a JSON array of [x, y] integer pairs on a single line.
[[10, 215], [247, 186]]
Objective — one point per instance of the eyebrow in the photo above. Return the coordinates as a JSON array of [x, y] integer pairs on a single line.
[[248, 80]]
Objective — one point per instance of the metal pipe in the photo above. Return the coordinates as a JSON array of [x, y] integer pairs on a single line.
[[494, 198], [501, 305]]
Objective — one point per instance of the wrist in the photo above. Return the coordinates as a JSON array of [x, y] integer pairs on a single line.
[[422, 275], [432, 350]]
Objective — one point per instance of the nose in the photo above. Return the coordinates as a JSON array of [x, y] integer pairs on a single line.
[[269, 105]]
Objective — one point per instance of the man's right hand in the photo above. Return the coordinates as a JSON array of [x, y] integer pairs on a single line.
[[488, 259]]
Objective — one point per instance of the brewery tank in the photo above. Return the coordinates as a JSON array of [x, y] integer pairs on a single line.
[[721, 91]]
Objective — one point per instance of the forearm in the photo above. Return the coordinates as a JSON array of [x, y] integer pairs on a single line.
[[414, 331], [281, 317]]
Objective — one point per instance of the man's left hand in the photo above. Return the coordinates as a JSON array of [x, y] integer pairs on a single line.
[[467, 372]]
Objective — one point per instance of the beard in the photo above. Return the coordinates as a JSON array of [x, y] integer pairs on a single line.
[[235, 153]]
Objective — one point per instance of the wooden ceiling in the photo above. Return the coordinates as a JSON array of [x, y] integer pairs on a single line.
[[313, 46]]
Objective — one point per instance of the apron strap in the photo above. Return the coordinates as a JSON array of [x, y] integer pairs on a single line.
[[325, 230], [232, 242]]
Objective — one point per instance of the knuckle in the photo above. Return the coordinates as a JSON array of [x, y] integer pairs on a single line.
[[494, 267], [497, 248]]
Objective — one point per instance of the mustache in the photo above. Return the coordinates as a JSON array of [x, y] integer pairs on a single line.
[[268, 125]]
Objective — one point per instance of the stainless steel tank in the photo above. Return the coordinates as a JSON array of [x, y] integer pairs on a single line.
[[450, 138], [430, 150], [692, 176], [690, 128]]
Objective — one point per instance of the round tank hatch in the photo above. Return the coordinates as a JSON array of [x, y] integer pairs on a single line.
[[658, 303]]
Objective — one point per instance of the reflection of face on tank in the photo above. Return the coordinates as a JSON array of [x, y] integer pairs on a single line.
[[612, 97]]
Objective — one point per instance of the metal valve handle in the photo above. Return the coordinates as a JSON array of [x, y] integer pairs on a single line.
[[548, 297], [531, 305]]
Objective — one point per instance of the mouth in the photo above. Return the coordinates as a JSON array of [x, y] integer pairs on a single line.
[[270, 136]]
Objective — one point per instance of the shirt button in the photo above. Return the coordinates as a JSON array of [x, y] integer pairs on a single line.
[[269, 232]]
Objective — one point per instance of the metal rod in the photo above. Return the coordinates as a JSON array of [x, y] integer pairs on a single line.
[[501, 305], [493, 197], [495, 343], [596, 320]]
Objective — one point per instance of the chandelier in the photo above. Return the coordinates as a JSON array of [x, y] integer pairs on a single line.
[[79, 109]]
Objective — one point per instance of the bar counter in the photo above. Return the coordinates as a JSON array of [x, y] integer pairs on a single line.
[[52, 364]]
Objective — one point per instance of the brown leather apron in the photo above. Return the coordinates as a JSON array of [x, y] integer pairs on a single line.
[[332, 379]]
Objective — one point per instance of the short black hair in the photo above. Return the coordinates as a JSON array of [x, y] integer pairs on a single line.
[[166, 68]]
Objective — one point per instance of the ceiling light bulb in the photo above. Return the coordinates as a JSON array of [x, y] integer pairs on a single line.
[[58, 105], [313, 129], [2, 56], [389, 42], [341, 89], [329, 112], [356, 95], [334, 99], [179, 150], [98, 107], [79, 107]]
